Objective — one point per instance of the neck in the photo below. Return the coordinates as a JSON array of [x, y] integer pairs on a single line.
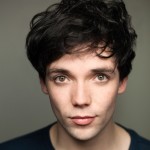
[[109, 138]]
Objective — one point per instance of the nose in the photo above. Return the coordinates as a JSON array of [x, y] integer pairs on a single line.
[[80, 95]]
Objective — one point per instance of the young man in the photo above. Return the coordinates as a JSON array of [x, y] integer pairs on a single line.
[[83, 52]]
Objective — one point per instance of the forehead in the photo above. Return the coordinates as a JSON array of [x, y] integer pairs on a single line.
[[83, 61]]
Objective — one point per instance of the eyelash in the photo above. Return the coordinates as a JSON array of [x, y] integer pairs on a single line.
[[104, 76], [58, 77], [100, 77]]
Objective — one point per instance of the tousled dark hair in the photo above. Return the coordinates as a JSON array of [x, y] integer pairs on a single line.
[[71, 23]]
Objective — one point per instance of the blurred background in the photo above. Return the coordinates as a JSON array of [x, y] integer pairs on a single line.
[[24, 108]]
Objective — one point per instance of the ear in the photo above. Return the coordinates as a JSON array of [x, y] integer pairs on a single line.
[[43, 86], [123, 85]]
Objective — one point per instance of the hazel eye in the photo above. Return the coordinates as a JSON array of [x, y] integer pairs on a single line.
[[102, 77], [60, 79]]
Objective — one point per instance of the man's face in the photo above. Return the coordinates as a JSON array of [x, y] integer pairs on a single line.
[[83, 91]]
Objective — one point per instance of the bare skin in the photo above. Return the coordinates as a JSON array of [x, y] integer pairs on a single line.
[[83, 91]]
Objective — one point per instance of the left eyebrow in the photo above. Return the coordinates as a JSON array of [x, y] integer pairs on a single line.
[[104, 70]]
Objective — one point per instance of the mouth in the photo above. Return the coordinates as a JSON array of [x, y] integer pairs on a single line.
[[82, 120]]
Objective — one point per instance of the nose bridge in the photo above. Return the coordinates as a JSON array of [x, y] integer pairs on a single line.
[[80, 94]]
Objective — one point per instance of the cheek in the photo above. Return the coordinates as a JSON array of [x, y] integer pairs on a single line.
[[105, 106], [105, 99], [56, 106], [58, 99]]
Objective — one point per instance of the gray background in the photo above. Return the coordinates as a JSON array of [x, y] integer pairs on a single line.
[[24, 108]]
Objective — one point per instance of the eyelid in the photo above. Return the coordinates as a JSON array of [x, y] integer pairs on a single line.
[[54, 77], [104, 75], [59, 76], [108, 72]]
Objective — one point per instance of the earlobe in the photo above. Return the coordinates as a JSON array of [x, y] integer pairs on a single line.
[[43, 86], [122, 86]]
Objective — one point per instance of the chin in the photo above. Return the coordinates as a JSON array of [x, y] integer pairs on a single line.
[[84, 133]]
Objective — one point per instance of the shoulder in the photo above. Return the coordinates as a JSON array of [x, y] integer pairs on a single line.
[[36, 140], [139, 141]]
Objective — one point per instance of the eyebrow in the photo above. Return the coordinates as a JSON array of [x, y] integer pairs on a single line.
[[96, 70], [104, 70], [57, 70]]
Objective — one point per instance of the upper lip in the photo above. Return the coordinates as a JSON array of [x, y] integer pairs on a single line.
[[82, 117]]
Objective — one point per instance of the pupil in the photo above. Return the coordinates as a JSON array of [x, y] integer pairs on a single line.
[[100, 77], [61, 78]]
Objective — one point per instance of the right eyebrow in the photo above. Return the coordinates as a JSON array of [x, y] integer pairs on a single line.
[[57, 70]]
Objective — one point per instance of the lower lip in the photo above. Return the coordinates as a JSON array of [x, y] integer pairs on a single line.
[[83, 121]]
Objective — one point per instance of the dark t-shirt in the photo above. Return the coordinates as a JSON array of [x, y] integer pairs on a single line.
[[39, 140]]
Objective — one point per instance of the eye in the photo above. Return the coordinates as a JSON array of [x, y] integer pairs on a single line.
[[102, 77], [60, 79]]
